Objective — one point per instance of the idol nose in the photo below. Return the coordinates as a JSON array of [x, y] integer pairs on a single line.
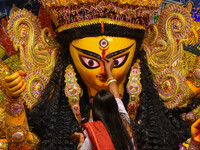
[[102, 74], [103, 70]]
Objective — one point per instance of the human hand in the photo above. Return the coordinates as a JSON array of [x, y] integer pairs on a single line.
[[14, 84], [77, 137], [195, 132], [109, 64]]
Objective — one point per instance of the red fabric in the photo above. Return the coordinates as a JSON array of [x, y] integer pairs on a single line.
[[6, 42], [45, 19], [98, 136]]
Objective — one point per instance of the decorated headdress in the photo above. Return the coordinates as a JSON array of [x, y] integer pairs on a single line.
[[68, 14]]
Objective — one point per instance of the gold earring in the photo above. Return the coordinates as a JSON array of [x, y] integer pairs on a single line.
[[72, 91], [134, 89]]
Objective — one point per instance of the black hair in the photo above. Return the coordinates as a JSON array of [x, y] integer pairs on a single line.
[[54, 120], [105, 109], [155, 126]]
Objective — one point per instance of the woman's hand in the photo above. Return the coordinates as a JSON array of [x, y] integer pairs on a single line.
[[14, 84], [108, 65], [77, 137], [112, 82]]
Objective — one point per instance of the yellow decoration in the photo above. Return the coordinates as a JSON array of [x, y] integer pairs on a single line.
[[189, 61], [13, 63], [192, 116], [38, 51], [2, 51], [194, 37], [160, 42], [3, 144], [163, 45], [185, 144], [40, 48]]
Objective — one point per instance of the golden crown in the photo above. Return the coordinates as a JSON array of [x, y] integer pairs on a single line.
[[68, 14]]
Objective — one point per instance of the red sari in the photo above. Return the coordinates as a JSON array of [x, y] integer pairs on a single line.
[[98, 136]]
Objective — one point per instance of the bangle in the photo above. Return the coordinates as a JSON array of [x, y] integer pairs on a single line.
[[113, 80]]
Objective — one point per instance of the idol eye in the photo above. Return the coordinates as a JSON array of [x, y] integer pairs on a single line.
[[118, 62], [89, 63]]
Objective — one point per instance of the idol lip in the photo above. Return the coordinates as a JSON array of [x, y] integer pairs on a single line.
[[102, 78]]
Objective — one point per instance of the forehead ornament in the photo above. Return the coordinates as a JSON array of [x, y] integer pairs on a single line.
[[103, 43]]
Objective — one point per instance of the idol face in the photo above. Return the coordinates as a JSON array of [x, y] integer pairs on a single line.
[[87, 54]]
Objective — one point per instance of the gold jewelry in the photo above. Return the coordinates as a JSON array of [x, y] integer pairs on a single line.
[[112, 80], [14, 106], [72, 91], [134, 89], [37, 64], [3, 145]]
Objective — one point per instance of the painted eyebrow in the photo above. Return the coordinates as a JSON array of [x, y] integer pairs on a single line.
[[98, 56], [118, 52], [88, 52]]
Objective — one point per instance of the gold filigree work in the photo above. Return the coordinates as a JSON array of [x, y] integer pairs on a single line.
[[134, 89], [38, 51], [166, 50], [163, 45], [3, 145]]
